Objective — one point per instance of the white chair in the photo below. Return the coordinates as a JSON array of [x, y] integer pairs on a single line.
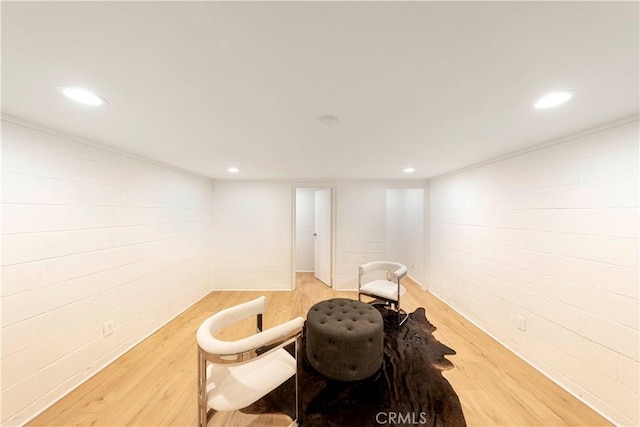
[[234, 374], [388, 291]]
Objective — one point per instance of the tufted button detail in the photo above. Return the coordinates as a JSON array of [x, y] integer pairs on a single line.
[[342, 326]]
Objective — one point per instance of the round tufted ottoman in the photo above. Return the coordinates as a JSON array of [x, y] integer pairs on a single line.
[[344, 339]]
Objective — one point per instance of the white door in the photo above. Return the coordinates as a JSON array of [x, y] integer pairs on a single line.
[[322, 236]]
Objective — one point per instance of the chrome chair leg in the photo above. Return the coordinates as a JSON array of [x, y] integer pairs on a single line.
[[404, 315], [298, 346], [202, 390]]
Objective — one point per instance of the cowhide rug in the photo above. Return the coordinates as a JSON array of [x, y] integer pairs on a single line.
[[409, 389]]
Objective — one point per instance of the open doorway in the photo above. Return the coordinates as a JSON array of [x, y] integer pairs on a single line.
[[313, 248]]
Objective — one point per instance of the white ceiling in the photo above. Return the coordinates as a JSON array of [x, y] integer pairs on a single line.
[[433, 85]]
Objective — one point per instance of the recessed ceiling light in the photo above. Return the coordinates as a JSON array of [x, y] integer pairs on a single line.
[[233, 170], [82, 96], [554, 99], [409, 170], [328, 120]]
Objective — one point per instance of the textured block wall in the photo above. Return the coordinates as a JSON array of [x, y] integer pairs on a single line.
[[551, 237], [405, 230], [360, 229], [252, 228], [89, 236]]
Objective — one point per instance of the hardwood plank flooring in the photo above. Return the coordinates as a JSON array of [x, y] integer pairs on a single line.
[[154, 384]]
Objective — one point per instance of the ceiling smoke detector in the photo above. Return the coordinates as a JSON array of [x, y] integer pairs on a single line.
[[328, 120]]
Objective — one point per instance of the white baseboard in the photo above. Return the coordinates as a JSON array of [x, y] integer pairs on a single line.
[[116, 357], [527, 361]]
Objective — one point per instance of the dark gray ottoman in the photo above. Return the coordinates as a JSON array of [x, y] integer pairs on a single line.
[[344, 339]]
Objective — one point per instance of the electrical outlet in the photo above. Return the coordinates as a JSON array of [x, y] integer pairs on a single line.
[[107, 328], [522, 323]]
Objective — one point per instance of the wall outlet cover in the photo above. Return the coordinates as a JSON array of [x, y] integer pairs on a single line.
[[107, 328]]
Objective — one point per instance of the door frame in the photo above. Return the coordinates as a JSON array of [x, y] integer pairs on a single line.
[[316, 185]]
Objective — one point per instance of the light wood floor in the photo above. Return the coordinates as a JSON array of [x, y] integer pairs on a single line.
[[154, 384]]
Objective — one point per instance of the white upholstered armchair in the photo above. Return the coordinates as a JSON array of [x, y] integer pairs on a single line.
[[234, 374], [388, 290]]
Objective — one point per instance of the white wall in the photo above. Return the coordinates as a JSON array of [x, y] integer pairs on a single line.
[[253, 226], [361, 229], [89, 236], [394, 244], [252, 229], [405, 229], [551, 236], [305, 214]]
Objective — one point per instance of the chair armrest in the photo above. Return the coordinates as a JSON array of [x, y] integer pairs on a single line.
[[400, 272], [368, 267], [230, 352], [234, 314]]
